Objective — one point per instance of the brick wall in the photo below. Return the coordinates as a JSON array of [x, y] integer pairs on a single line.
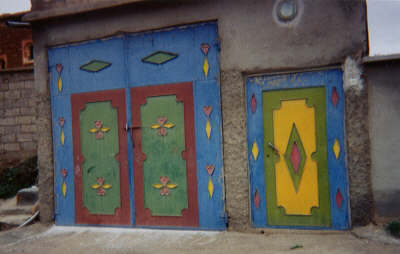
[[17, 116], [11, 40]]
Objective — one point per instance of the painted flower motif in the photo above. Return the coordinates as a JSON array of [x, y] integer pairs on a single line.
[[207, 110], [210, 169], [61, 121], [99, 129], [59, 68], [164, 186], [101, 192], [204, 48], [64, 184], [64, 172], [162, 126], [100, 186]]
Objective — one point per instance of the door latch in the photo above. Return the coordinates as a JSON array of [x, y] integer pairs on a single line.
[[276, 151], [130, 129]]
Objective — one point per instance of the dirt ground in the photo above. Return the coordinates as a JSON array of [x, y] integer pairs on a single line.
[[40, 239]]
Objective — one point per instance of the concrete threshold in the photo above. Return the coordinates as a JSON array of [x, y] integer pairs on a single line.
[[141, 231]]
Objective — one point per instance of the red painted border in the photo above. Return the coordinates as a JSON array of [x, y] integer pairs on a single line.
[[184, 93], [122, 214]]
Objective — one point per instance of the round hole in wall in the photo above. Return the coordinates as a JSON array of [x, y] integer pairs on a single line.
[[287, 10]]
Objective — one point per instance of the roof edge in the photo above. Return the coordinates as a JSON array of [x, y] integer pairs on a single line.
[[74, 9], [380, 58], [16, 15]]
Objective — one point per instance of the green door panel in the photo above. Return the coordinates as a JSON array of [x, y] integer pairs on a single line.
[[163, 141], [100, 170]]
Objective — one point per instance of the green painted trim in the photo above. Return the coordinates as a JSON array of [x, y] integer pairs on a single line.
[[95, 66], [315, 97], [159, 57]]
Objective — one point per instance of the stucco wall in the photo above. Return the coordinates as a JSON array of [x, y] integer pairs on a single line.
[[358, 144], [251, 42], [384, 104]]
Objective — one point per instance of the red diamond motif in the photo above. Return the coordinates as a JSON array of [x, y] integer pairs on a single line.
[[253, 103], [257, 199], [339, 198], [295, 157], [334, 96]]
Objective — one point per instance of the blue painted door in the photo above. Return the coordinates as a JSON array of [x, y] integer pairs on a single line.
[[298, 175], [186, 55]]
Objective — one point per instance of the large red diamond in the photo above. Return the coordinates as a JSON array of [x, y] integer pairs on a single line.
[[295, 157]]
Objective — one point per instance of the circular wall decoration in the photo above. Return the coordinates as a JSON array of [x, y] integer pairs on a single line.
[[287, 12]]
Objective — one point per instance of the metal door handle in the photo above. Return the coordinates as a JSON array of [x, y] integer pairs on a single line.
[[276, 151], [130, 129]]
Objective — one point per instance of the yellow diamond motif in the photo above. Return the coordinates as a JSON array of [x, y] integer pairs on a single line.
[[336, 148], [62, 138], [64, 189], [208, 129], [206, 67], [210, 187], [254, 150], [60, 84]]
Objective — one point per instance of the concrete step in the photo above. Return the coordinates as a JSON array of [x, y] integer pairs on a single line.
[[28, 196], [13, 215], [17, 210]]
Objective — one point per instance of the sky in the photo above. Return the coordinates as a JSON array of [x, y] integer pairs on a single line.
[[13, 6], [383, 27]]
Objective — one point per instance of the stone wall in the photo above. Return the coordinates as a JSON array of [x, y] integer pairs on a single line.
[[358, 144], [18, 116], [235, 149]]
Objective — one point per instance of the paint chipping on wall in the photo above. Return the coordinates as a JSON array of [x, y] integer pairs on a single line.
[[352, 76]]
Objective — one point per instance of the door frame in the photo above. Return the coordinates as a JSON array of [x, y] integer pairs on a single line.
[[78, 103], [331, 79]]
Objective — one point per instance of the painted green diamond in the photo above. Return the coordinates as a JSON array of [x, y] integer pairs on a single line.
[[159, 57], [295, 157], [95, 66]]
